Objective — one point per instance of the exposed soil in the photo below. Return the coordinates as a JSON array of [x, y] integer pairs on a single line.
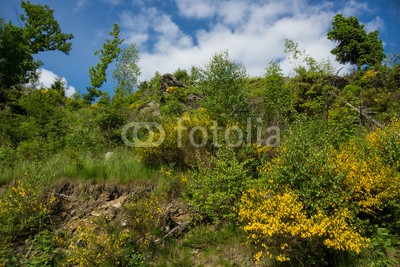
[[79, 202]]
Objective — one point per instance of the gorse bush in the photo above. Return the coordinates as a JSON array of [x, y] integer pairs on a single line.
[[279, 226], [180, 140], [314, 201], [23, 212], [367, 181], [109, 246], [144, 217]]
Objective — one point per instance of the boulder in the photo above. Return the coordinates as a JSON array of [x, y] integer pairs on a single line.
[[169, 80]]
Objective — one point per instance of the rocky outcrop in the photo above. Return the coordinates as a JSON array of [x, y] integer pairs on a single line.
[[169, 80], [152, 108]]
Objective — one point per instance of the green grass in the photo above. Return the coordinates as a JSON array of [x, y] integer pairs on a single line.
[[206, 245], [122, 167]]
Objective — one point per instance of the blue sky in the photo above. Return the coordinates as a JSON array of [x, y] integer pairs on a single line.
[[182, 33]]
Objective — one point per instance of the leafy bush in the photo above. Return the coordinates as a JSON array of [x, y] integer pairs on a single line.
[[339, 193], [144, 217], [216, 189], [108, 246], [279, 226], [42, 250], [23, 212], [177, 147], [223, 84]]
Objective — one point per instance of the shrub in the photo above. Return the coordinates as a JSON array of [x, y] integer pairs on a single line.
[[144, 219], [367, 182], [223, 85], [216, 189], [42, 250], [107, 246], [346, 190], [23, 212], [281, 229], [177, 149]]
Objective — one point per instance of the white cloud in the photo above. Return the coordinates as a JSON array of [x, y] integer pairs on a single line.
[[197, 9], [164, 32], [80, 5], [253, 32], [354, 8], [376, 25], [47, 78], [70, 91]]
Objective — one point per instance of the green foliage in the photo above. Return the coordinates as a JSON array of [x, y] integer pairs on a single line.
[[110, 119], [355, 45], [147, 92], [40, 33], [39, 127], [215, 189], [41, 251], [382, 250], [17, 64], [174, 101], [110, 246], [42, 30], [109, 52], [23, 212], [313, 92], [223, 84], [276, 97], [127, 70]]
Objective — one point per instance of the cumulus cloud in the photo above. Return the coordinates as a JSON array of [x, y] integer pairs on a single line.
[[47, 78], [253, 32], [165, 33]]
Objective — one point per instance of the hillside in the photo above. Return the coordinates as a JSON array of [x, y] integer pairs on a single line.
[[202, 167]]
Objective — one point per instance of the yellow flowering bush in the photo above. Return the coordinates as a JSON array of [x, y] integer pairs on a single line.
[[368, 182], [101, 243], [23, 210], [281, 229], [369, 75], [144, 217], [386, 142], [176, 147], [322, 198]]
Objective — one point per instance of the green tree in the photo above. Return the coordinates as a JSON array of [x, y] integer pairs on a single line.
[[355, 45], [127, 70], [222, 84], [40, 32], [16, 61], [109, 52], [276, 98], [312, 89], [59, 86]]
